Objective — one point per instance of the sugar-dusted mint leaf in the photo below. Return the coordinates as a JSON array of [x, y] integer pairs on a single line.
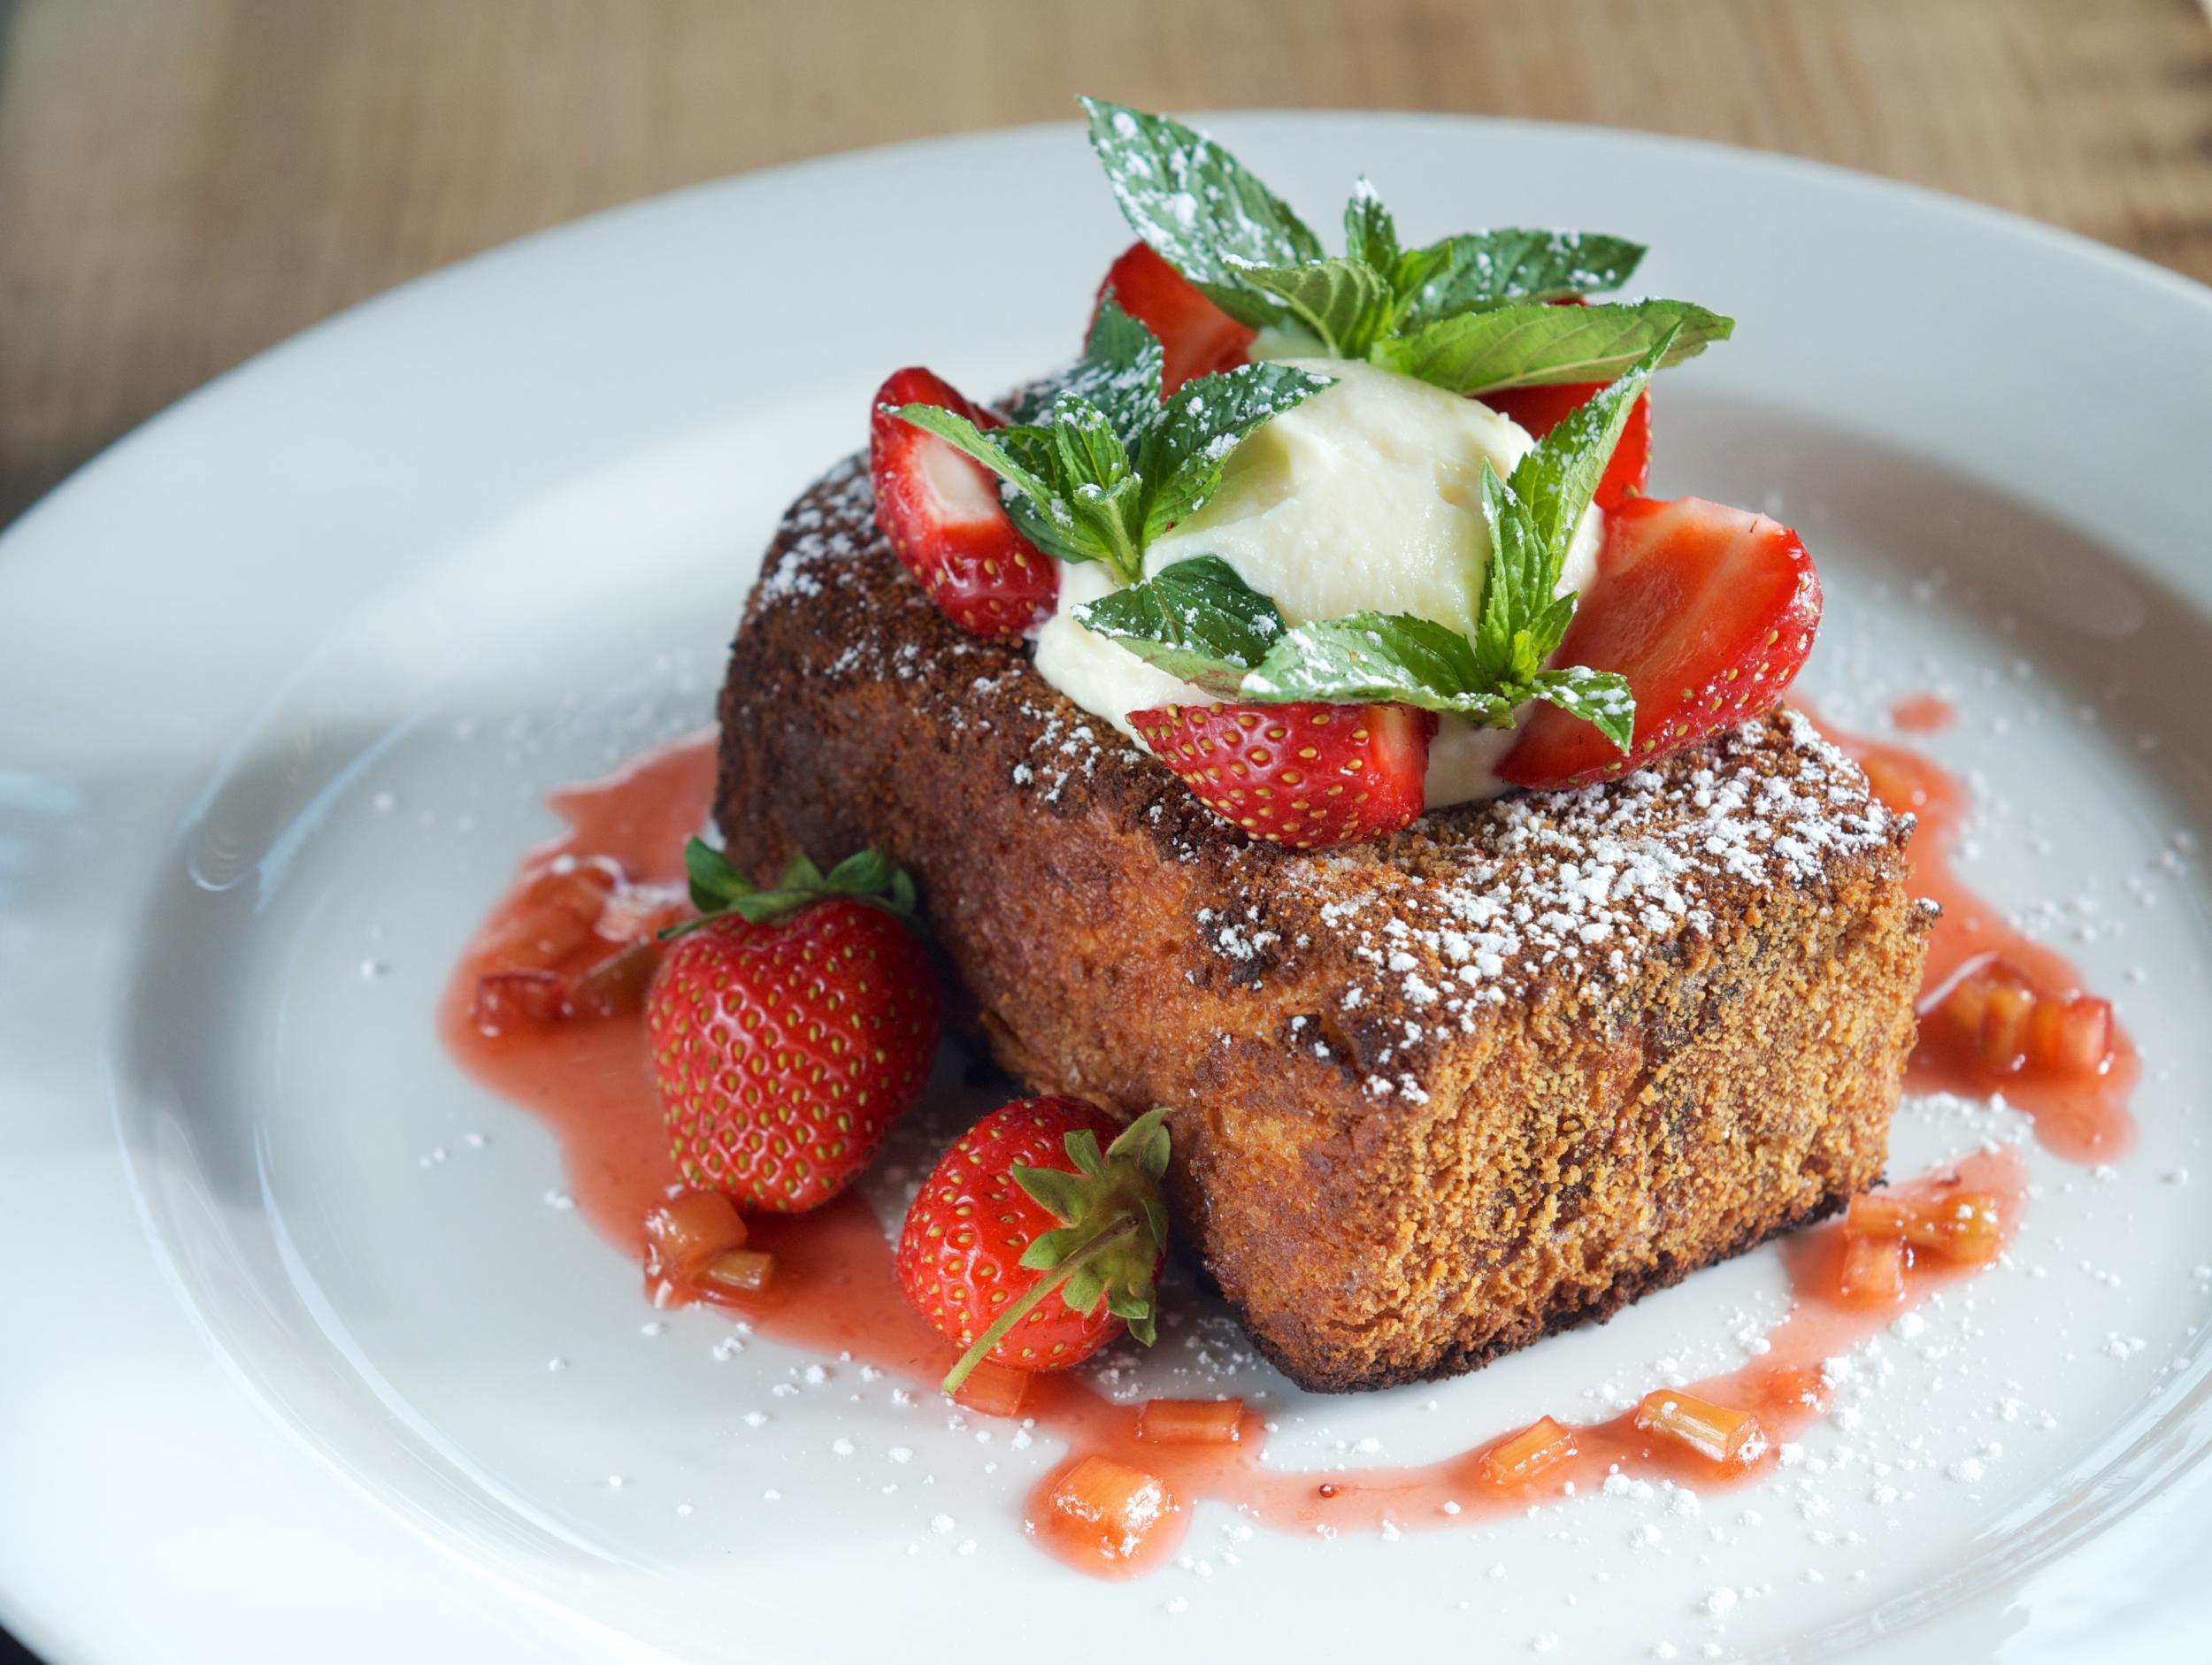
[[1189, 440], [1601, 698], [1557, 478], [1480, 269], [1533, 519], [1195, 204], [1371, 235], [1119, 371], [1529, 345], [995, 449], [1393, 657], [1073, 497], [1106, 466], [1195, 619], [1345, 304]]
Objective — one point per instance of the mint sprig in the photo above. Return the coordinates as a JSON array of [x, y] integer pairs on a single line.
[[1109, 466], [1199, 621], [1470, 312]]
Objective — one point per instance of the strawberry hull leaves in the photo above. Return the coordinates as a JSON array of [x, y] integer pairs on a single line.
[[1109, 467]]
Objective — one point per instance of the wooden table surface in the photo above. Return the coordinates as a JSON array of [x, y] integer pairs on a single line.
[[185, 181]]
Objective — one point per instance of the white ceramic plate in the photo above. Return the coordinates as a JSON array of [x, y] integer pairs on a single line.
[[285, 675]]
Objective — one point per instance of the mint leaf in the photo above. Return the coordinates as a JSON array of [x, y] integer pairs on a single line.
[[1371, 235], [1195, 203], [1108, 467], [1556, 479], [995, 449], [1195, 619], [1189, 440], [1346, 302], [1526, 345], [1513, 591], [1386, 656], [1483, 268], [1119, 371], [1599, 697]]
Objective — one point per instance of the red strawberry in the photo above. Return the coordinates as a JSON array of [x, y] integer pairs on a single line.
[[1198, 336], [1311, 776], [1540, 410], [941, 512], [1707, 611], [1026, 1207], [790, 1027]]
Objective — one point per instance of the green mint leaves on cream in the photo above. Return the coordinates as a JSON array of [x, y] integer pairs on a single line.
[[1473, 312], [1198, 620], [1109, 466]]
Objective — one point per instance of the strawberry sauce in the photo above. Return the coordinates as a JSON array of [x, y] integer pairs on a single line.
[[2080, 1114], [835, 1289]]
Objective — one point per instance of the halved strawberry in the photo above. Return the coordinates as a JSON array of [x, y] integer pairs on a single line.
[[941, 512], [1707, 611], [1540, 410], [1198, 336], [1309, 775]]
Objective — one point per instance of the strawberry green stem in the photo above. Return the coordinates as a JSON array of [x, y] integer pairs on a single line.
[[979, 1349]]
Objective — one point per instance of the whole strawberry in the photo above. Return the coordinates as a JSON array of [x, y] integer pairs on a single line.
[[1030, 1245], [790, 1026]]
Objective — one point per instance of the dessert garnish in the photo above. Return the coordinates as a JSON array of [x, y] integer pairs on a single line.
[[1229, 316], [790, 1026], [1024, 1206]]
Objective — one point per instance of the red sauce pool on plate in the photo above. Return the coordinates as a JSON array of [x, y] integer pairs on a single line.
[[1119, 1503], [2080, 1114]]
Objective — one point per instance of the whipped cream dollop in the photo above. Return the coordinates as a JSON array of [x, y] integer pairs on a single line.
[[1366, 496]]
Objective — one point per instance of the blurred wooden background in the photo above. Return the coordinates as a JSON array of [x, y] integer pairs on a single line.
[[185, 181]]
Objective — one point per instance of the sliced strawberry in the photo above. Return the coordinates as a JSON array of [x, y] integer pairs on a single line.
[[941, 512], [1540, 410], [1707, 611], [1198, 336], [1311, 776]]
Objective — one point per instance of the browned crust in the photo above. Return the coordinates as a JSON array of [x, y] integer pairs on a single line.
[[1398, 1154]]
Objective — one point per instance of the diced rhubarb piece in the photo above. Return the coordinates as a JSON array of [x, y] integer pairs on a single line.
[[689, 1230], [1107, 1508], [2072, 1037], [1959, 1225], [1714, 1432], [509, 1001], [557, 914], [1520, 1458], [740, 1271], [635, 911], [1195, 1422], [1873, 1272], [617, 982], [994, 1389]]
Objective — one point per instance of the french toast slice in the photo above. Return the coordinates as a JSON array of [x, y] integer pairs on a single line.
[[1433, 1096]]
